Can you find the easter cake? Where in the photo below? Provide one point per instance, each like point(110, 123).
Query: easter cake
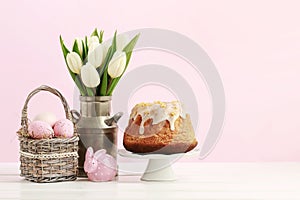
point(159, 127)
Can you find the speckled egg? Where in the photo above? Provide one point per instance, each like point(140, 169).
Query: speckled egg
point(40, 130)
point(63, 128)
point(48, 117)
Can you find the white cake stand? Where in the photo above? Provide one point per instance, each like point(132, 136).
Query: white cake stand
point(159, 166)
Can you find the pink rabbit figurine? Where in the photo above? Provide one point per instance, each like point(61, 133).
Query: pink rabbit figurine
point(99, 166)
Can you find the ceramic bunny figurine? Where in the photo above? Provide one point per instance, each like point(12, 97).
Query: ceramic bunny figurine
point(99, 166)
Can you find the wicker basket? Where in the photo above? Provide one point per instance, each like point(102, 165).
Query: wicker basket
point(47, 160)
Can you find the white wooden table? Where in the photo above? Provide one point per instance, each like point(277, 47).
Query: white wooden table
point(196, 181)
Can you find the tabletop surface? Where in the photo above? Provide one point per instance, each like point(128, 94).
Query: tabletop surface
point(196, 180)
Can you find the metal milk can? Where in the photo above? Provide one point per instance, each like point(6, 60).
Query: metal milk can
point(96, 127)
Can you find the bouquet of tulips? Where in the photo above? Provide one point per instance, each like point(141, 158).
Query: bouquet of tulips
point(96, 66)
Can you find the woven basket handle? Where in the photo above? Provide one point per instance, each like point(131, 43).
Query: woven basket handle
point(24, 121)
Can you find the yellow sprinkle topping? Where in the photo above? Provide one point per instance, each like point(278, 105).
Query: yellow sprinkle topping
point(172, 114)
point(163, 105)
point(142, 104)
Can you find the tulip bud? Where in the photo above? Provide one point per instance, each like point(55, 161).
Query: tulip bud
point(93, 46)
point(90, 76)
point(74, 62)
point(92, 40)
point(95, 57)
point(79, 45)
point(117, 64)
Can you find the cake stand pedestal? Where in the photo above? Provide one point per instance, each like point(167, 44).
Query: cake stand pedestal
point(159, 166)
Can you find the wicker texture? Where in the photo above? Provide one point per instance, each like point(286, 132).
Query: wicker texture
point(47, 160)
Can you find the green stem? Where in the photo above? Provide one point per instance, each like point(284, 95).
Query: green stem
point(109, 84)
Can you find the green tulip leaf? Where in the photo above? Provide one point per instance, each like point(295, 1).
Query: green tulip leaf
point(95, 33)
point(101, 36)
point(79, 82)
point(86, 46)
point(63, 47)
point(84, 51)
point(129, 48)
point(103, 84)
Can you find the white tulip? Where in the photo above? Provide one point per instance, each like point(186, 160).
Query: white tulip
point(90, 76)
point(79, 44)
point(117, 64)
point(92, 40)
point(93, 46)
point(105, 47)
point(95, 57)
point(74, 62)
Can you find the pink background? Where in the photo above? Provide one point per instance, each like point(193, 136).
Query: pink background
point(254, 44)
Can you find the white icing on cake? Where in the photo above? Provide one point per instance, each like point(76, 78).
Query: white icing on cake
point(158, 111)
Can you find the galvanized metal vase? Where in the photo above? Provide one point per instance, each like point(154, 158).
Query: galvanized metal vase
point(96, 127)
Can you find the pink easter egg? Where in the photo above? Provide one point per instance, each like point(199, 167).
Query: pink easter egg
point(40, 130)
point(63, 128)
